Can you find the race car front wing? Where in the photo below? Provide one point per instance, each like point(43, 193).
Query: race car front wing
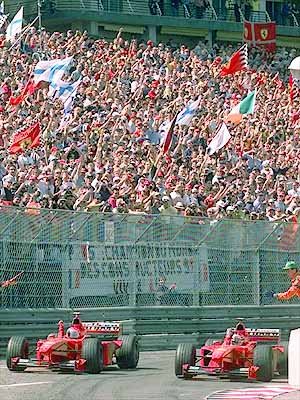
point(72, 365)
point(188, 371)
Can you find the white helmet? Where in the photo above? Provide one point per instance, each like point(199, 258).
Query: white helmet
point(237, 339)
point(73, 333)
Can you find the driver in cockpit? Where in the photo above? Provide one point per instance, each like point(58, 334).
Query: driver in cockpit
point(237, 335)
point(76, 329)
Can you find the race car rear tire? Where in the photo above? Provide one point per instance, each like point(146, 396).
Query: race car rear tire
point(185, 354)
point(92, 353)
point(282, 364)
point(263, 358)
point(128, 354)
point(17, 346)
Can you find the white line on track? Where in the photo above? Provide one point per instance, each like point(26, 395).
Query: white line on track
point(263, 392)
point(24, 384)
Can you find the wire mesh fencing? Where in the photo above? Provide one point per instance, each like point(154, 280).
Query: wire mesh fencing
point(78, 259)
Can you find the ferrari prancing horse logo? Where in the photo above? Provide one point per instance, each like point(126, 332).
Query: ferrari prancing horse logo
point(264, 33)
point(26, 143)
point(246, 32)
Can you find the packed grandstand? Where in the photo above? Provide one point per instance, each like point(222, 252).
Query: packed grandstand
point(105, 136)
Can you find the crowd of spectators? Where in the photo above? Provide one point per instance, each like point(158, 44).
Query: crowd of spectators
point(289, 14)
point(286, 13)
point(108, 158)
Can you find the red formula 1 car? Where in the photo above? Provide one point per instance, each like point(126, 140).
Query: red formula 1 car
point(251, 353)
point(86, 346)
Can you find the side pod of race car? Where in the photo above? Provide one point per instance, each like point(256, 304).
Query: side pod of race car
point(249, 353)
point(85, 346)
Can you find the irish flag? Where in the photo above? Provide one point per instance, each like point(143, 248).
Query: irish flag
point(246, 106)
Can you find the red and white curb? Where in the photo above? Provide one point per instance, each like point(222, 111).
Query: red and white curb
point(261, 393)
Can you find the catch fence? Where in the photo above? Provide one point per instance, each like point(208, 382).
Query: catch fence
point(81, 260)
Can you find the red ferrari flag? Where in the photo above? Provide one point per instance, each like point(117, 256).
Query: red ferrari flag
point(28, 90)
point(27, 138)
point(237, 62)
point(260, 34)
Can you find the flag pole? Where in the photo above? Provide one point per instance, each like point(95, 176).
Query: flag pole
point(205, 158)
point(25, 30)
point(39, 13)
point(39, 5)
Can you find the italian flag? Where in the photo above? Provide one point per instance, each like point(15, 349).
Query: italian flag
point(246, 106)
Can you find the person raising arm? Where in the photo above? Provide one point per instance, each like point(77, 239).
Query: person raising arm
point(294, 275)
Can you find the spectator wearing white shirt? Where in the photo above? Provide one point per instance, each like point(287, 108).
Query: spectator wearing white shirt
point(45, 185)
point(295, 191)
point(194, 197)
point(11, 176)
point(177, 194)
point(96, 183)
point(24, 160)
point(187, 197)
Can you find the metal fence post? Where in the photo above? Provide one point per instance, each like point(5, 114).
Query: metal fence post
point(3, 264)
point(132, 274)
point(197, 269)
point(65, 277)
point(257, 279)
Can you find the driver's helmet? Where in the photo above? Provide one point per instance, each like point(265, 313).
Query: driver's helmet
point(237, 339)
point(240, 327)
point(76, 319)
point(72, 333)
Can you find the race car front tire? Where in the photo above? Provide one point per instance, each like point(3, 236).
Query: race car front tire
point(92, 353)
point(263, 358)
point(185, 354)
point(17, 346)
point(282, 364)
point(128, 354)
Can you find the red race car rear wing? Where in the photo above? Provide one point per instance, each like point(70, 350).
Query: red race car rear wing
point(267, 335)
point(103, 328)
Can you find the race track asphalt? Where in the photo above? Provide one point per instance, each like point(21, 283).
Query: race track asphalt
point(153, 380)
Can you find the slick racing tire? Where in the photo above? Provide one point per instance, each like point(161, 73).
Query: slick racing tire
point(128, 354)
point(92, 353)
point(185, 354)
point(17, 346)
point(263, 358)
point(282, 364)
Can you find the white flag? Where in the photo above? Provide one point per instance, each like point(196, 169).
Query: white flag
point(65, 90)
point(186, 115)
point(220, 140)
point(68, 96)
point(3, 17)
point(61, 89)
point(51, 71)
point(163, 130)
point(15, 27)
